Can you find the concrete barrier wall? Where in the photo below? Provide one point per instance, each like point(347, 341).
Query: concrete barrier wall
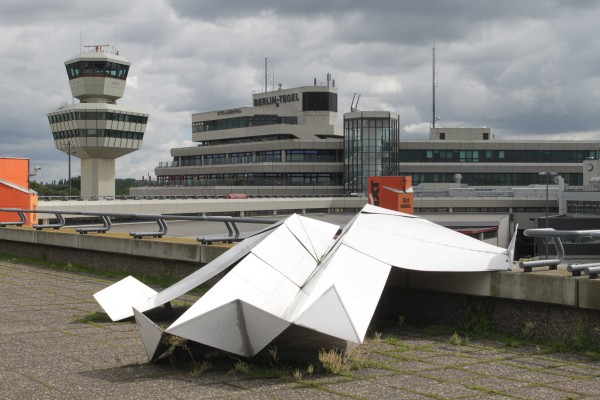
point(147, 255)
point(151, 257)
point(546, 304)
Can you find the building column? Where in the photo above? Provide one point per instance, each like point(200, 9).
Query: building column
point(97, 177)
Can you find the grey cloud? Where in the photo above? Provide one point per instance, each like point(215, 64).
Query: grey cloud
point(521, 67)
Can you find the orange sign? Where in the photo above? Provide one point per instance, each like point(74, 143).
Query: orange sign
point(392, 192)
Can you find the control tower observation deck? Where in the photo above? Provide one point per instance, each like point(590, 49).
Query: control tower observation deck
point(97, 130)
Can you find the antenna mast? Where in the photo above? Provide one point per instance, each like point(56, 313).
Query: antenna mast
point(433, 84)
point(266, 78)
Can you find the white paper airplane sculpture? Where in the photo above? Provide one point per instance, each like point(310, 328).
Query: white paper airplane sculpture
point(294, 282)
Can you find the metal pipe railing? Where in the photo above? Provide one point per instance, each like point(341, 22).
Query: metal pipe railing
point(61, 222)
point(98, 229)
point(560, 251)
point(577, 269)
point(161, 220)
point(553, 263)
point(21, 222)
point(162, 230)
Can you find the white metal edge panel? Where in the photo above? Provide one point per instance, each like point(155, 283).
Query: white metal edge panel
point(261, 326)
point(371, 209)
point(328, 315)
point(203, 274)
point(220, 328)
point(117, 299)
point(151, 334)
point(252, 281)
point(423, 230)
point(359, 281)
point(321, 234)
point(283, 252)
point(315, 235)
point(411, 244)
point(302, 235)
point(234, 327)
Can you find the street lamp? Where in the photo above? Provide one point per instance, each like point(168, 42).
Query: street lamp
point(547, 174)
point(69, 152)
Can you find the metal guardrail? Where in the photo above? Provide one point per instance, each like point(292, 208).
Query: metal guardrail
point(161, 219)
point(23, 220)
point(592, 269)
point(577, 269)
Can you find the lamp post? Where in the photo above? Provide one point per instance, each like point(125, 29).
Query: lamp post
point(547, 174)
point(69, 152)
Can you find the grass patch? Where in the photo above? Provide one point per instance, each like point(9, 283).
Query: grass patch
point(331, 360)
point(93, 317)
point(456, 340)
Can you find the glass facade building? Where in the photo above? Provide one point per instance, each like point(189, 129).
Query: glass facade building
point(370, 143)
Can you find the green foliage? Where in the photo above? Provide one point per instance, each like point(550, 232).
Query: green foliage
point(332, 360)
point(164, 280)
point(122, 186)
point(201, 368)
point(581, 341)
point(455, 339)
point(479, 317)
point(529, 329)
point(92, 318)
point(61, 188)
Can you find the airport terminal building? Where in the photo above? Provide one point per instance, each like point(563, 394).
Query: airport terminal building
point(482, 161)
point(288, 142)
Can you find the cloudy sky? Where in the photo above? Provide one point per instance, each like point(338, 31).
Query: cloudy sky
point(527, 69)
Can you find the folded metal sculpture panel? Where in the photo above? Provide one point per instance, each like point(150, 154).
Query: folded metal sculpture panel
point(119, 299)
point(407, 241)
point(296, 273)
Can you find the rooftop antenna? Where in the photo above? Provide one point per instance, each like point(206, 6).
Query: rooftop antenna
point(434, 85)
point(353, 105)
point(266, 79)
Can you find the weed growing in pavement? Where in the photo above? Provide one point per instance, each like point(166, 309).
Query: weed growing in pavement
point(93, 317)
point(201, 368)
point(529, 329)
point(241, 367)
point(273, 355)
point(297, 375)
point(455, 339)
point(377, 337)
point(331, 360)
point(479, 317)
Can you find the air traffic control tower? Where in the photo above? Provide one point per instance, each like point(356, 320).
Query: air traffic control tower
point(97, 130)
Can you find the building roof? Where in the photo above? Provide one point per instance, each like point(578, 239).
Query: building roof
point(17, 187)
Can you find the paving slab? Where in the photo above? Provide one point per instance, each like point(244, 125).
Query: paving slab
point(49, 353)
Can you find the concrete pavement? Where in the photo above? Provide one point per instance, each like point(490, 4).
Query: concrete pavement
point(47, 354)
